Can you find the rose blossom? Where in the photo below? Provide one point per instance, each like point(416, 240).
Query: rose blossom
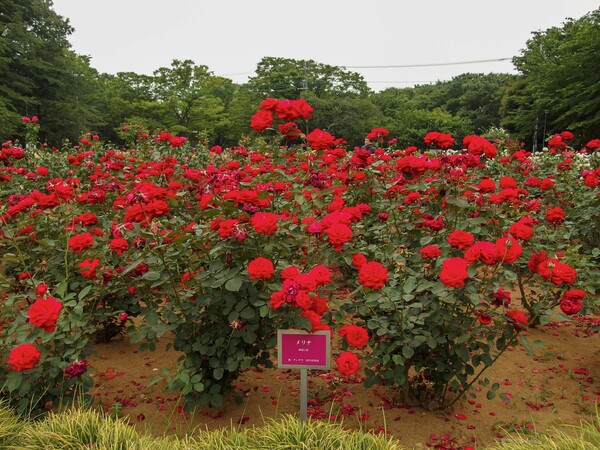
point(43, 313)
point(347, 363)
point(355, 336)
point(260, 269)
point(373, 275)
point(454, 272)
point(23, 357)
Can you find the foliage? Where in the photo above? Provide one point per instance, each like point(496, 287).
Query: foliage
point(289, 78)
point(584, 436)
point(220, 248)
point(80, 428)
point(560, 85)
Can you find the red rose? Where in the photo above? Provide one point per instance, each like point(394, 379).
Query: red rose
point(268, 104)
point(566, 135)
point(80, 242)
point(320, 140)
point(461, 239)
point(88, 268)
point(430, 252)
point(315, 321)
point(277, 299)
point(118, 245)
point(261, 121)
point(264, 223)
point(483, 318)
point(508, 183)
point(509, 249)
point(347, 363)
point(289, 273)
point(43, 313)
point(306, 281)
point(355, 336)
point(555, 215)
point(338, 234)
point(358, 260)
point(260, 269)
point(441, 140)
point(41, 289)
point(571, 306)
point(517, 318)
point(321, 274)
point(574, 294)
point(520, 231)
point(557, 272)
point(290, 130)
point(486, 185)
point(484, 251)
point(23, 357)
point(535, 261)
point(454, 272)
point(373, 275)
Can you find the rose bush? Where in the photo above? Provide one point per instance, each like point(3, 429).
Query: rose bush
point(440, 255)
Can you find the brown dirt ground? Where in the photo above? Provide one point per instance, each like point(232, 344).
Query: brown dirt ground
point(559, 384)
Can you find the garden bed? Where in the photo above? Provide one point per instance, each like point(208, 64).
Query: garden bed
point(559, 384)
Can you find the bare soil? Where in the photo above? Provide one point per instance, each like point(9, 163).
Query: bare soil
point(559, 384)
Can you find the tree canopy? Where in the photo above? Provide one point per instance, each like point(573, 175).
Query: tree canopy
point(558, 89)
point(560, 81)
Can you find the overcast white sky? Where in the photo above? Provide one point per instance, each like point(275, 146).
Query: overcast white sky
point(231, 36)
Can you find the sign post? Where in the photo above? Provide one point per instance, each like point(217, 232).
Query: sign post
point(297, 349)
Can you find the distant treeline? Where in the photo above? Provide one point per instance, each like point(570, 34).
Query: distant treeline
point(558, 88)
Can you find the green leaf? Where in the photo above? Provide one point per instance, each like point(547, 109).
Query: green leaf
point(408, 351)
point(218, 373)
point(426, 240)
point(234, 284)
point(409, 285)
point(248, 313)
point(85, 291)
point(151, 276)
point(62, 288)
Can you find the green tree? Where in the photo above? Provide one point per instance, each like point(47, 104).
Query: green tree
point(194, 97)
point(562, 81)
point(347, 116)
point(32, 60)
point(286, 78)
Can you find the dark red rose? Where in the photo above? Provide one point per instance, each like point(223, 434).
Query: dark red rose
point(571, 306)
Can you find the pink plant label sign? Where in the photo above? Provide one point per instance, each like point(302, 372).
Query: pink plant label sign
point(297, 349)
